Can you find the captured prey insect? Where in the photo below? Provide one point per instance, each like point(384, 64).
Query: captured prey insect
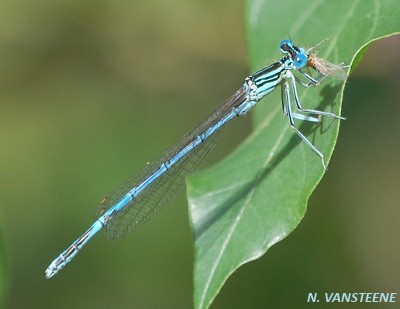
point(137, 199)
point(323, 67)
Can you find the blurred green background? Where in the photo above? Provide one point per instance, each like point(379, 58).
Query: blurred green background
point(90, 92)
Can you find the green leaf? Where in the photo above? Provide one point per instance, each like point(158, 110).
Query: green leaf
point(258, 194)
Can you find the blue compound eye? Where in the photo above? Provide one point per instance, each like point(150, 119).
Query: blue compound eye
point(286, 46)
point(300, 61)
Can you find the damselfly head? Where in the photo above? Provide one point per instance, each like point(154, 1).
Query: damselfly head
point(298, 55)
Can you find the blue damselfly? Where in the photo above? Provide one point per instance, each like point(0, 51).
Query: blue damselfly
point(137, 199)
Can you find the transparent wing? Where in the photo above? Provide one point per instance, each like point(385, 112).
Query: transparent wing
point(161, 190)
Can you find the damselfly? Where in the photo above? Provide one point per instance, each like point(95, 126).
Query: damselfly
point(138, 198)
